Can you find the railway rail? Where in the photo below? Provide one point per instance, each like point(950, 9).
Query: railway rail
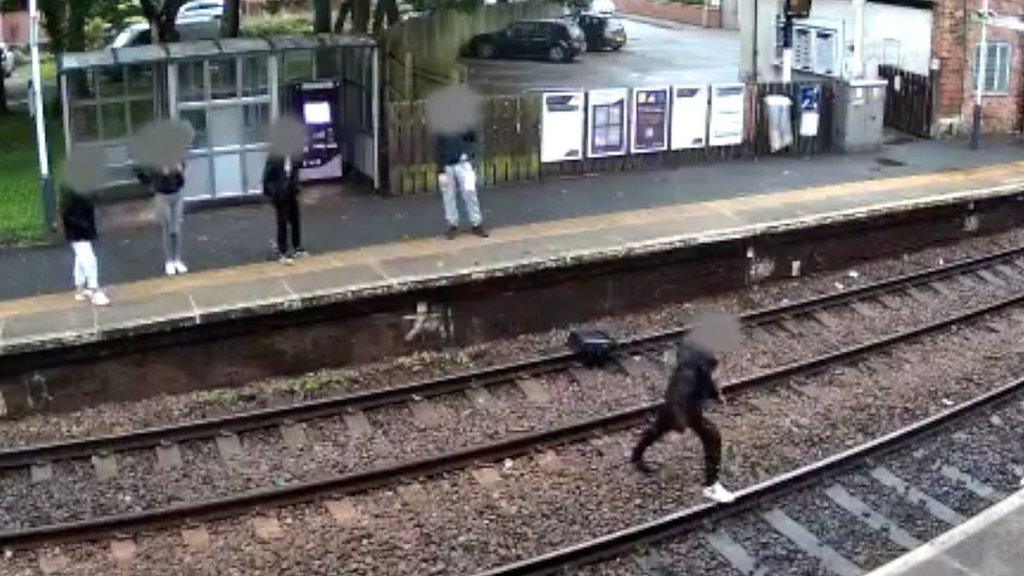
point(765, 501)
point(1004, 267)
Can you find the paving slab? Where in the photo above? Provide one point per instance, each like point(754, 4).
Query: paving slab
point(985, 545)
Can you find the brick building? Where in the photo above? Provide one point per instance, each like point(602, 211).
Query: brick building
point(955, 45)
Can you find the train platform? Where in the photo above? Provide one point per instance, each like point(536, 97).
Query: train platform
point(51, 321)
point(987, 545)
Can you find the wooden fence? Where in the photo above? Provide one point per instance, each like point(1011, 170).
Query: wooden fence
point(908, 101)
point(508, 148)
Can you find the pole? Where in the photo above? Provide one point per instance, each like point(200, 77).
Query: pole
point(858, 68)
point(37, 98)
point(979, 64)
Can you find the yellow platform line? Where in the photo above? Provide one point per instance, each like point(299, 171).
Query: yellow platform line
point(435, 247)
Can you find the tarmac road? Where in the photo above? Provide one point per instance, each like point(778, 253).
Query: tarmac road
point(653, 55)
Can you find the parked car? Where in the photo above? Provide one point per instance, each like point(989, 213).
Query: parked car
point(189, 28)
point(201, 9)
point(603, 7)
point(555, 40)
point(6, 60)
point(602, 32)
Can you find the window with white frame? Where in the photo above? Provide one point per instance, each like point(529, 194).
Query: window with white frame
point(997, 67)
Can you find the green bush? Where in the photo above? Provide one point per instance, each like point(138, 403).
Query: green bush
point(284, 24)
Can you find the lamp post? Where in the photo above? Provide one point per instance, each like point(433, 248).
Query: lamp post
point(980, 67)
point(36, 96)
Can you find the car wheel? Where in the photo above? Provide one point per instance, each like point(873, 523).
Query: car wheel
point(617, 47)
point(485, 51)
point(556, 54)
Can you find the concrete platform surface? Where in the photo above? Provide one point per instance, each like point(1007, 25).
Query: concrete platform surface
point(55, 320)
point(990, 544)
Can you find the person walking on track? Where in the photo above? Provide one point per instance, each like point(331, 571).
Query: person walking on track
point(690, 386)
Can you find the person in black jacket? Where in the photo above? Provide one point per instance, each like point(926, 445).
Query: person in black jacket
point(79, 219)
point(281, 186)
point(167, 183)
point(690, 386)
point(456, 174)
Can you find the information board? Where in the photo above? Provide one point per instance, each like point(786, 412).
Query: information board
point(562, 124)
point(607, 122)
point(689, 116)
point(727, 106)
point(650, 120)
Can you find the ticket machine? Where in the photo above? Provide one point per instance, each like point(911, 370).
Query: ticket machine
point(318, 106)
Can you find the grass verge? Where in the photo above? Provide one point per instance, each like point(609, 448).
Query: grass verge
point(21, 207)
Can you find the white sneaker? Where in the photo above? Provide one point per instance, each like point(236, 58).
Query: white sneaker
point(170, 269)
point(81, 294)
point(718, 493)
point(180, 267)
point(100, 299)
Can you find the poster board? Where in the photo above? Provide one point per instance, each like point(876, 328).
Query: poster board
point(562, 123)
point(689, 116)
point(650, 120)
point(728, 102)
point(607, 122)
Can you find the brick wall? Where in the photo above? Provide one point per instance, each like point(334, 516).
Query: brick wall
point(16, 27)
point(695, 14)
point(955, 36)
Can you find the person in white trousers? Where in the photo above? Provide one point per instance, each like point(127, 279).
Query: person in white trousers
point(79, 221)
point(457, 177)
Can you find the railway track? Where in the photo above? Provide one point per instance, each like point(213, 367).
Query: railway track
point(842, 516)
point(997, 270)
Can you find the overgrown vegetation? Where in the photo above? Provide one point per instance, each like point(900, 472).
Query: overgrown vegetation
point(287, 23)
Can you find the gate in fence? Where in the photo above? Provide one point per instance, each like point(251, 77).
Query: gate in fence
point(908, 101)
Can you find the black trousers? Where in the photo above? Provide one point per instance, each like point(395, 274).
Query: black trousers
point(705, 430)
point(288, 217)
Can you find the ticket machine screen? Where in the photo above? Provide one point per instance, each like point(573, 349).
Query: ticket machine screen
point(317, 113)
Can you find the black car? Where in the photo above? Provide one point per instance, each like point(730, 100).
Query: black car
point(555, 40)
point(602, 32)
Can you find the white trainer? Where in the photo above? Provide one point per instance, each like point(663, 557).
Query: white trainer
point(100, 299)
point(81, 294)
point(170, 269)
point(180, 267)
point(719, 493)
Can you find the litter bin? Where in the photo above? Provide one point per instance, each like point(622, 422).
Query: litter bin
point(858, 115)
point(780, 121)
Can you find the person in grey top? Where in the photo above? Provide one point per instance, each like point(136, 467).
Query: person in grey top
point(167, 183)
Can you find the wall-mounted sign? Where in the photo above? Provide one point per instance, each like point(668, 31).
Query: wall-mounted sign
point(607, 122)
point(689, 116)
point(727, 106)
point(810, 105)
point(562, 122)
point(650, 120)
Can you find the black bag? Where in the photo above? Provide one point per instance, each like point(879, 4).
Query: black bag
point(594, 347)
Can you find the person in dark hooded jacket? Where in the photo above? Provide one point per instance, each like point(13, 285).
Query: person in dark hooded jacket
point(281, 186)
point(78, 216)
point(457, 177)
point(690, 386)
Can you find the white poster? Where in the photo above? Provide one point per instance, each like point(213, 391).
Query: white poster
point(650, 120)
point(727, 106)
point(607, 122)
point(689, 116)
point(562, 122)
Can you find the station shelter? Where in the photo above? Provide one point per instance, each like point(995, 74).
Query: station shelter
point(230, 91)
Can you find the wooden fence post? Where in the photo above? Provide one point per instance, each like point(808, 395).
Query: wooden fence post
point(409, 76)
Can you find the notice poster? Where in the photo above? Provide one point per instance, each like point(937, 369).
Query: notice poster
point(689, 116)
point(810, 104)
point(650, 120)
point(608, 121)
point(727, 105)
point(562, 124)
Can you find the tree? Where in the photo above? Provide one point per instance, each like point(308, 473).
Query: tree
point(360, 12)
point(232, 18)
point(161, 15)
point(321, 16)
